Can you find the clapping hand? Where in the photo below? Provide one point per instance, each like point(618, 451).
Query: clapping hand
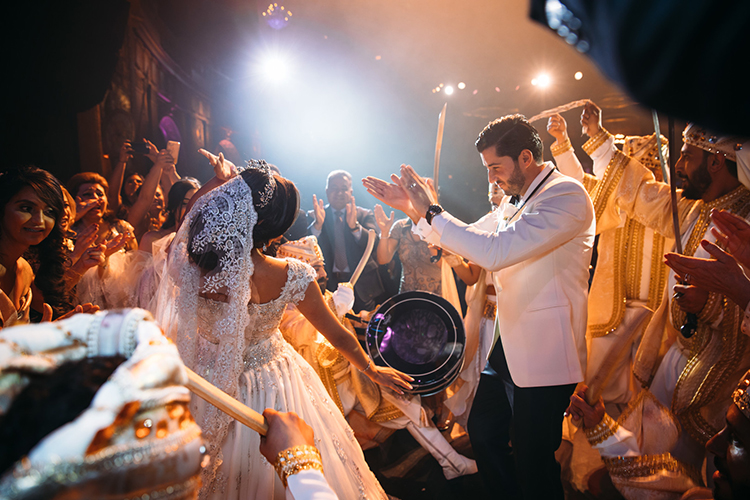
point(384, 223)
point(319, 210)
point(351, 213)
point(733, 232)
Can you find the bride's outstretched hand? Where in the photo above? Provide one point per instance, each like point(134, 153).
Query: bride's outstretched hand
point(223, 168)
point(388, 377)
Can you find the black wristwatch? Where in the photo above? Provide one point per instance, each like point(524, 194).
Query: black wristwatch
point(432, 211)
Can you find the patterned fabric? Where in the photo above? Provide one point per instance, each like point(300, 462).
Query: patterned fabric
point(418, 272)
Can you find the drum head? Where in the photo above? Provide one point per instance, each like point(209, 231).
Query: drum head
point(420, 334)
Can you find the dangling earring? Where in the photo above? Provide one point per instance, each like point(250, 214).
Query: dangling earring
point(265, 247)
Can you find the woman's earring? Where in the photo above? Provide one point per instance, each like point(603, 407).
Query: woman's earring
point(265, 247)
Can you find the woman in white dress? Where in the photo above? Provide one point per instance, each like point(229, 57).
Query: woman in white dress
point(222, 300)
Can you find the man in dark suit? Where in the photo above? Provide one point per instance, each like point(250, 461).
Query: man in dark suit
point(341, 228)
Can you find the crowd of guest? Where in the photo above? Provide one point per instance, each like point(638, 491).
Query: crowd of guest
point(95, 243)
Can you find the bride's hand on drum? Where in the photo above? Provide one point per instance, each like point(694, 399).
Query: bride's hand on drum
point(388, 377)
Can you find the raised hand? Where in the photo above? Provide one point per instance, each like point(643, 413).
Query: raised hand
point(733, 232)
point(558, 128)
point(351, 213)
point(384, 223)
point(163, 160)
point(390, 193)
point(319, 210)
point(87, 308)
point(223, 168)
point(126, 152)
point(153, 151)
point(420, 194)
point(721, 274)
point(117, 243)
point(591, 119)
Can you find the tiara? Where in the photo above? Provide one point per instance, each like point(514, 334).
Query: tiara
point(741, 397)
point(268, 191)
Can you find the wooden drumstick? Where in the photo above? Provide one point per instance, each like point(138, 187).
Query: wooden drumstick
point(226, 403)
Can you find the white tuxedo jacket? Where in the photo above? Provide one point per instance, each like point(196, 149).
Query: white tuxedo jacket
point(540, 257)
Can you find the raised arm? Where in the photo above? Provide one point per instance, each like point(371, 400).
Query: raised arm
point(387, 246)
point(314, 308)
point(146, 194)
point(115, 180)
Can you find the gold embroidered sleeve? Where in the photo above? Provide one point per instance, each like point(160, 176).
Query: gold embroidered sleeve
point(596, 142)
point(605, 429)
point(557, 148)
point(629, 187)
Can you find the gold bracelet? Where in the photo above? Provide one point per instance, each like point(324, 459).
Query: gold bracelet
point(296, 459)
point(558, 148)
point(603, 430)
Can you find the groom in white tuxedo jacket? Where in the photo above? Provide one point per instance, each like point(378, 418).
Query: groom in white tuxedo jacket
point(539, 255)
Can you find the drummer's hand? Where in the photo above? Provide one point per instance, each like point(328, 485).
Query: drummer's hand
point(388, 377)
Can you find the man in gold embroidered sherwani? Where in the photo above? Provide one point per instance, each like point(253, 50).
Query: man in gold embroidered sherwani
point(629, 278)
point(354, 393)
point(689, 377)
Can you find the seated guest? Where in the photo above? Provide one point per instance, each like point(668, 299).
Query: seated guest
point(30, 229)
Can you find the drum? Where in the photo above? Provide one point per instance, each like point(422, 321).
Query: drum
point(420, 334)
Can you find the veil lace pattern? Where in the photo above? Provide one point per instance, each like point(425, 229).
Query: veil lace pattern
point(224, 219)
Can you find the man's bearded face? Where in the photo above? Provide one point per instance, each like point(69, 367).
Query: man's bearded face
point(692, 170)
point(321, 276)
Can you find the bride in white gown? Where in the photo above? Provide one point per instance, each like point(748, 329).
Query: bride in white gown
point(221, 302)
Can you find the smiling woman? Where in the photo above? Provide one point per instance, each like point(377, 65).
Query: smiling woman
point(31, 210)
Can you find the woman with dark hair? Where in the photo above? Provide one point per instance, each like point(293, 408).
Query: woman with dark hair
point(31, 205)
point(154, 245)
point(222, 300)
point(177, 200)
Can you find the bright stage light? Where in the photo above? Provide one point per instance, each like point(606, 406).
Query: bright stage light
point(448, 89)
point(578, 75)
point(461, 85)
point(542, 81)
point(274, 67)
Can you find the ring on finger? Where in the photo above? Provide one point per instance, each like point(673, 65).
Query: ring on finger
point(412, 185)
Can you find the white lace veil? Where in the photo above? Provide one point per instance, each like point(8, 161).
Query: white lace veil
point(210, 333)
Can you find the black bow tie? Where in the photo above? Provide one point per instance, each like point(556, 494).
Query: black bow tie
point(515, 200)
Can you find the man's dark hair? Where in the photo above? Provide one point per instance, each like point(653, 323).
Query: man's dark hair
point(510, 135)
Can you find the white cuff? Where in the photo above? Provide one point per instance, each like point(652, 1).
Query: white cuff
point(309, 484)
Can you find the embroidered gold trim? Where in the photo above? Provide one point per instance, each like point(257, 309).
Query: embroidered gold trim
point(649, 465)
point(659, 272)
point(490, 310)
point(618, 309)
point(609, 182)
point(328, 358)
point(386, 413)
point(635, 236)
point(590, 182)
point(596, 142)
point(557, 148)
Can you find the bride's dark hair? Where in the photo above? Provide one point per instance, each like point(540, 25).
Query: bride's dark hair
point(280, 212)
point(275, 217)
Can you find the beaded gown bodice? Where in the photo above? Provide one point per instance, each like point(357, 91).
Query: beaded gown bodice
point(267, 316)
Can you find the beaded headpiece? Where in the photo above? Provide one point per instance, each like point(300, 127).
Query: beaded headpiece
point(268, 191)
point(697, 136)
point(305, 249)
point(643, 149)
point(741, 397)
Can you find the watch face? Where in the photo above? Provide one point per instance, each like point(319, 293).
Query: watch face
point(420, 334)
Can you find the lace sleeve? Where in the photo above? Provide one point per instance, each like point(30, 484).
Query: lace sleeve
point(299, 277)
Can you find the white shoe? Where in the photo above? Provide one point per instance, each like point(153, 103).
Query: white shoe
point(453, 463)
